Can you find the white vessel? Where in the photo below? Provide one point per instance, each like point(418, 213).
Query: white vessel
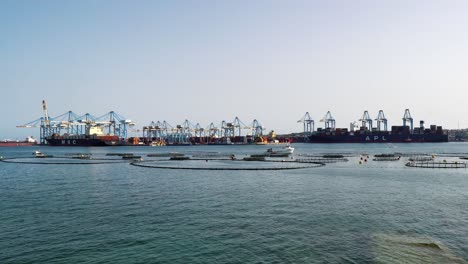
point(281, 152)
point(38, 154)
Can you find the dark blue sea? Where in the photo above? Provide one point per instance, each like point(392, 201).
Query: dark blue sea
point(343, 212)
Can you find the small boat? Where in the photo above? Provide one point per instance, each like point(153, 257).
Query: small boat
point(39, 154)
point(282, 152)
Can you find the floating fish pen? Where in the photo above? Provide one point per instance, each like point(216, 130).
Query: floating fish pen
point(421, 158)
point(179, 158)
point(322, 160)
point(452, 154)
point(386, 158)
point(130, 157)
point(256, 158)
point(333, 156)
point(73, 154)
point(81, 156)
point(119, 154)
point(328, 155)
point(170, 154)
point(194, 153)
point(437, 165)
point(211, 155)
point(412, 154)
point(385, 155)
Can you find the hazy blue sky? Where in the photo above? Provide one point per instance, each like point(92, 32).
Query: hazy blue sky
point(214, 60)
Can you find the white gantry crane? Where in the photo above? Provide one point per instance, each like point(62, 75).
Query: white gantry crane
point(381, 120)
point(329, 121)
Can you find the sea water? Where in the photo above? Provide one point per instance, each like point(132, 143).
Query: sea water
point(344, 212)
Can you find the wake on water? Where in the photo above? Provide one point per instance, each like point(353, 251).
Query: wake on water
point(411, 248)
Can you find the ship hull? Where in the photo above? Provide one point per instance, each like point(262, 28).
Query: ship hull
point(378, 138)
point(91, 142)
point(17, 144)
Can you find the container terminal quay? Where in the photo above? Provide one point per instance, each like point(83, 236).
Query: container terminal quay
point(111, 129)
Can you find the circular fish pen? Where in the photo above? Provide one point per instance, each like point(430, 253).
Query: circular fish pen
point(208, 154)
point(119, 154)
point(386, 157)
point(231, 165)
point(169, 154)
point(322, 160)
point(421, 158)
point(437, 165)
point(410, 154)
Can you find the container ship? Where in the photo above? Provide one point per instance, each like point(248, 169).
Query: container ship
point(29, 141)
point(94, 136)
point(84, 140)
point(369, 134)
point(399, 134)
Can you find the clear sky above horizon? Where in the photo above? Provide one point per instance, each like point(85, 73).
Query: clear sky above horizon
point(209, 61)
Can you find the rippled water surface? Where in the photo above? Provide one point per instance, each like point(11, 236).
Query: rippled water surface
point(345, 212)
